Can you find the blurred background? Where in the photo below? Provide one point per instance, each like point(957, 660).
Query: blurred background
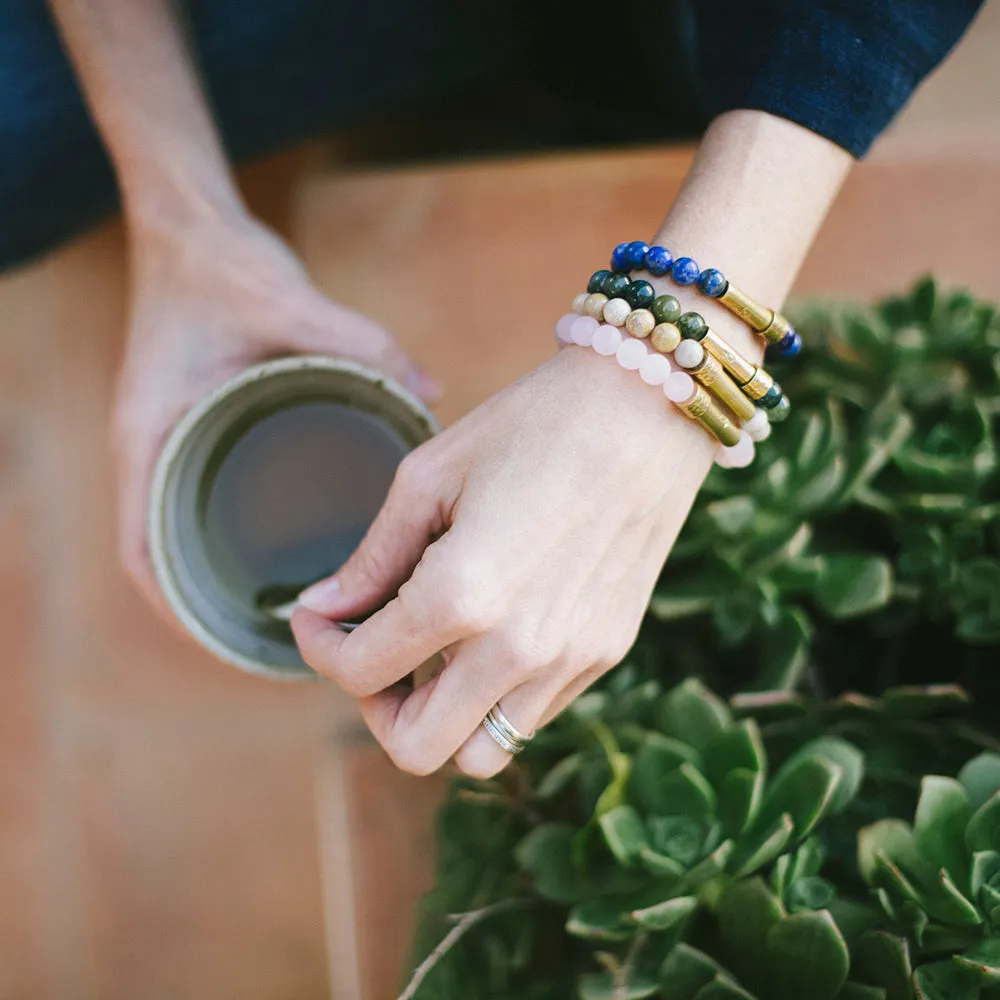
point(172, 828)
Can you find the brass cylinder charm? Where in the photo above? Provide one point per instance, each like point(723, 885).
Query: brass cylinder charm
point(711, 375)
point(705, 411)
point(734, 362)
point(752, 313)
point(759, 386)
point(778, 329)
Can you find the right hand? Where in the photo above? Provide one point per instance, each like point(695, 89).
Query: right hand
point(208, 298)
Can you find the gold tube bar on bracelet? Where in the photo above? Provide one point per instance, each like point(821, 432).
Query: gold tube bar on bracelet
point(712, 376)
point(703, 409)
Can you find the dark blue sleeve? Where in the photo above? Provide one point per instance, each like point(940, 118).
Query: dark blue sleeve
point(842, 68)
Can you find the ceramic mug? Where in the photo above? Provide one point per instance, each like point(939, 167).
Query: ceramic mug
point(267, 485)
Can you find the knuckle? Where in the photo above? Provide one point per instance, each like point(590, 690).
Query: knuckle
point(415, 475)
point(527, 651)
point(465, 602)
point(411, 759)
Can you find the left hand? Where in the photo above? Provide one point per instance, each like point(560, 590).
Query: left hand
point(523, 544)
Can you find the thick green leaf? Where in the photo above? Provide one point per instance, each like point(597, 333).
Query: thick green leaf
point(847, 757)
point(685, 971)
point(678, 837)
point(923, 299)
point(909, 701)
point(786, 645)
point(659, 864)
point(854, 585)
point(559, 777)
point(740, 798)
point(807, 957)
point(739, 746)
point(601, 986)
point(657, 757)
point(685, 792)
point(706, 870)
point(692, 714)
point(985, 871)
point(939, 826)
point(745, 912)
point(722, 988)
point(984, 960)
point(804, 789)
point(763, 846)
point(981, 778)
point(810, 893)
point(666, 916)
point(883, 959)
point(891, 837)
point(547, 855)
point(600, 920)
point(945, 981)
point(983, 831)
point(624, 833)
point(732, 516)
point(858, 991)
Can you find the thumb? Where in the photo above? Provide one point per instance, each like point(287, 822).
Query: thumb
point(410, 519)
point(345, 333)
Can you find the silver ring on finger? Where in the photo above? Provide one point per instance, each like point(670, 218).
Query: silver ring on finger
point(504, 733)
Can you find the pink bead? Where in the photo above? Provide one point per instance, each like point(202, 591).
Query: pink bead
point(563, 334)
point(739, 456)
point(679, 387)
point(631, 353)
point(607, 340)
point(582, 330)
point(655, 369)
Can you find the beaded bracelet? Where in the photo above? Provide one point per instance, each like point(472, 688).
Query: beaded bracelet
point(654, 368)
point(659, 261)
point(644, 314)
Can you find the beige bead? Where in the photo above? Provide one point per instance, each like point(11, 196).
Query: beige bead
point(640, 323)
point(665, 337)
point(616, 312)
point(578, 302)
point(594, 305)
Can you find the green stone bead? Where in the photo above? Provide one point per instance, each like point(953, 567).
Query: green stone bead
point(780, 412)
point(692, 326)
point(640, 295)
point(597, 279)
point(615, 285)
point(666, 309)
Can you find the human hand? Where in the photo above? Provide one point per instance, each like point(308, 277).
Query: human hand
point(208, 299)
point(524, 543)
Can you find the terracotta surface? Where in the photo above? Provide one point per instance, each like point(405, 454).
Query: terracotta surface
point(158, 829)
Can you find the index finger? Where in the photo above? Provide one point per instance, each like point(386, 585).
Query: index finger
point(383, 649)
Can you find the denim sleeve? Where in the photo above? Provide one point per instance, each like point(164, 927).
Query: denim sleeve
point(842, 68)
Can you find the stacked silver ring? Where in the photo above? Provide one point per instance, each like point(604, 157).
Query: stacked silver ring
point(503, 732)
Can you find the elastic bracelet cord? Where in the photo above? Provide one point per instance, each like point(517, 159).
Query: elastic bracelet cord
point(660, 262)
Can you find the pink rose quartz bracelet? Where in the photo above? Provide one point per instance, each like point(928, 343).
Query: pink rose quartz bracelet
point(656, 369)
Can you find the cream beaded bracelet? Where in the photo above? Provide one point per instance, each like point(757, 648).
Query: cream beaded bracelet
point(736, 441)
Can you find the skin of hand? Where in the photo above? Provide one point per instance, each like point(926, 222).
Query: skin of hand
point(524, 542)
point(209, 299)
point(212, 290)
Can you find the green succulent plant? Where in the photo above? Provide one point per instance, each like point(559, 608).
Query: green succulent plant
point(862, 548)
point(844, 596)
point(938, 880)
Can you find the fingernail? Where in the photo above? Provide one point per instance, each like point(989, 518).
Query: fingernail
point(424, 386)
point(319, 596)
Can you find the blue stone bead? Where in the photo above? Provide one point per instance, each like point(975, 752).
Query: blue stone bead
point(790, 345)
point(658, 261)
point(635, 254)
point(619, 261)
point(771, 398)
point(685, 271)
point(712, 282)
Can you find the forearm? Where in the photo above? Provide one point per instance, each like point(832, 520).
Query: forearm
point(144, 94)
point(751, 205)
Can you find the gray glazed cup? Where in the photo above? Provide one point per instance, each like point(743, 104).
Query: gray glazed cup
point(266, 485)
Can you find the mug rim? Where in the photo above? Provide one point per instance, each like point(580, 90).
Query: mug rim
point(156, 533)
